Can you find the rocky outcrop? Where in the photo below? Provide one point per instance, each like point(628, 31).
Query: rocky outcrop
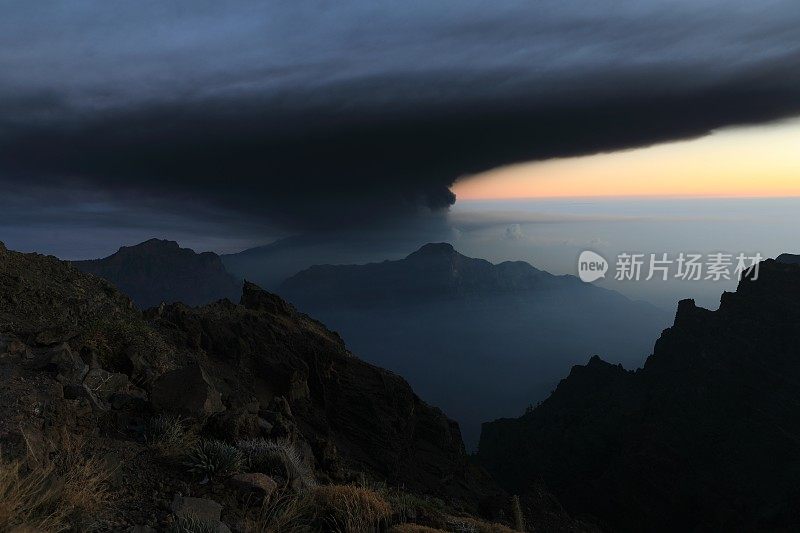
point(186, 391)
point(270, 362)
point(157, 271)
point(704, 437)
point(253, 484)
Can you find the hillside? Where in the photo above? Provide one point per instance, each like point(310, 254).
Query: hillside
point(111, 418)
point(704, 437)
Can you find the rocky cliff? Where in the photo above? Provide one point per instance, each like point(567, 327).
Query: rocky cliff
point(157, 271)
point(704, 437)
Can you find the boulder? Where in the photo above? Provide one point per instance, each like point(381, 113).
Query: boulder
point(257, 299)
point(104, 384)
point(201, 508)
point(234, 424)
point(186, 391)
point(59, 359)
point(254, 483)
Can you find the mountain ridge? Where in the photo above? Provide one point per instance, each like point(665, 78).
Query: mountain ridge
point(159, 270)
point(443, 270)
point(680, 444)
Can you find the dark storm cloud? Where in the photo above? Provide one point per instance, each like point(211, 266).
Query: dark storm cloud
point(311, 115)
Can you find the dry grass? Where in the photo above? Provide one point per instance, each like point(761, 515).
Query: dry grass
point(68, 491)
point(414, 528)
point(408, 507)
point(286, 513)
point(189, 523)
point(351, 509)
point(473, 525)
point(359, 509)
point(167, 436)
point(279, 457)
point(516, 512)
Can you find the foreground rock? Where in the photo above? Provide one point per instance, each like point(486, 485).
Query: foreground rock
point(703, 438)
point(186, 391)
point(254, 483)
point(299, 378)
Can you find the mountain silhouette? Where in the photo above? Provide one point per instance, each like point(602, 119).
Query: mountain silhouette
point(706, 437)
point(157, 271)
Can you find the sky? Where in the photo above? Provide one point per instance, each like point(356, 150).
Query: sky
point(756, 161)
point(231, 124)
point(551, 233)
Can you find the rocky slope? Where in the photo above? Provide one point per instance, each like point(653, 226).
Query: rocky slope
point(157, 271)
point(704, 437)
point(440, 319)
point(77, 358)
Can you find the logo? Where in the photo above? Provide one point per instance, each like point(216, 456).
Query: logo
point(591, 266)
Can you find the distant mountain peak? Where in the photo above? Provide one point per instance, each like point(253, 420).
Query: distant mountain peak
point(159, 270)
point(155, 243)
point(154, 246)
point(434, 249)
point(434, 270)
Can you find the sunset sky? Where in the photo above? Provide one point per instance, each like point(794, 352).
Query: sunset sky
point(762, 161)
point(233, 123)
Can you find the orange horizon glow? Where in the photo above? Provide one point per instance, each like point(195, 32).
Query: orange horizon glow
point(762, 161)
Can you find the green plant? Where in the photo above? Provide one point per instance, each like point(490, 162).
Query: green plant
point(213, 459)
point(279, 457)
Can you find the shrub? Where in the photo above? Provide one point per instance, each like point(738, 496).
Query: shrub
point(66, 491)
point(213, 459)
point(167, 434)
point(112, 337)
point(348, 508)
point(279, 457)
